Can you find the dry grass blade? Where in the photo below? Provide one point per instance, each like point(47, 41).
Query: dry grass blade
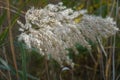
point(4, 52)
point(2, 74)
point(11, 39)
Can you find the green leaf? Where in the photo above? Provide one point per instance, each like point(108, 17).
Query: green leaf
point(80, 48)
point(13, 72)
point(23, 55)
point(5, 64)
point(3, 35)
point(2, 17)
point(103, 12)
point(96, 1)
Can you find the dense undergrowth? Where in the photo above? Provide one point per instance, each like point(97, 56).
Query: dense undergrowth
point(19, 63)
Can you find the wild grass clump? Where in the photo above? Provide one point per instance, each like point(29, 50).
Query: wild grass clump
point(55, 28)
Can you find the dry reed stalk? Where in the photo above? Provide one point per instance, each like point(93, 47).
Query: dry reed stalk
point(101, 63)
point(96, 66)
point(11, 39)
point(107, 66)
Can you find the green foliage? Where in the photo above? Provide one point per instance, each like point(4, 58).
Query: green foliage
point(81, 49)
point(102, 10)
point(4, 64)
point(71, 3)
point(23, 55)
point(2, 17)
point(96, 1)
point(3, 35)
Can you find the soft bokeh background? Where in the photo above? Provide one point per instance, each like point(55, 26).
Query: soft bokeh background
point(18, 63)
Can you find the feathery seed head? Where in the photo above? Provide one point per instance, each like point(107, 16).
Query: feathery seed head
point(52, 29)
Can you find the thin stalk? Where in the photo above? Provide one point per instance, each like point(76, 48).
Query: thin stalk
point(108, 8)
point(60, 75)
point(11, 40)
point(23, 55)
point(88, 3)
point(13, 11)
point(113, 57)
point(72, 73)
point(101, 46)
point(4, 52)
point(95, 66)
point(101, 64)
point(4, 75)
point(47, 70)
point(12, 8)
point(113, 5)
point(100, 8)
point(118, 77)
point(93, 58)
point(114, 41)
point(107, 69)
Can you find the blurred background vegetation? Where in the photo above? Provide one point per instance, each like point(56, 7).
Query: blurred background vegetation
point(18, 63)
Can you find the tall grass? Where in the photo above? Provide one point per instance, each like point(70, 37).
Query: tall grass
point(15, 64)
